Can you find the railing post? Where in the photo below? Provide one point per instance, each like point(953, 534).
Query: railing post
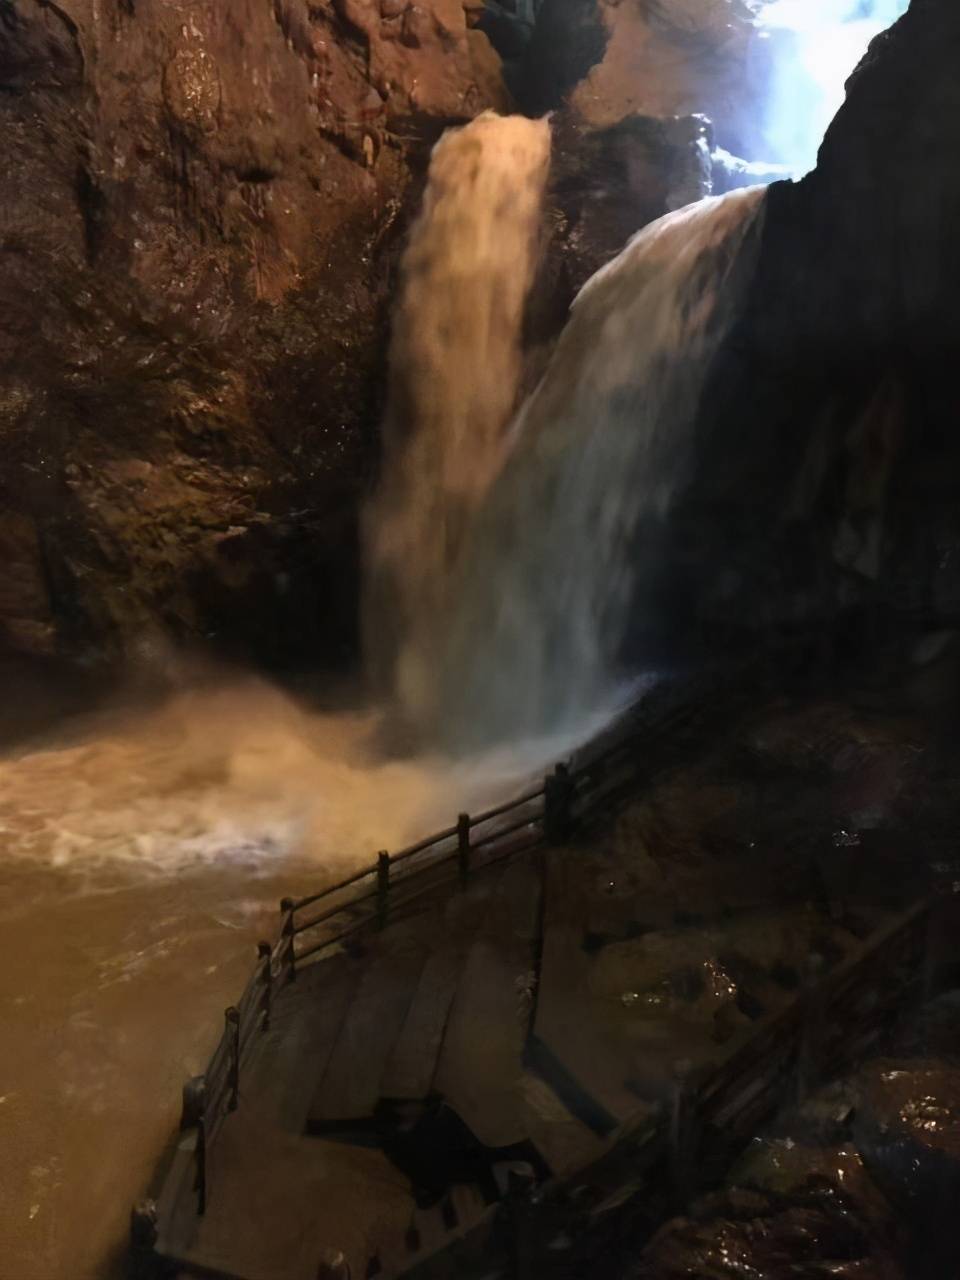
point(383, 887)
point(681, 1133)
point(558, 790)
point(143, 1232)
point(463, 848)
point(193, 1116)
point(232, 1019)
point(265, 953)
point(201, 1185)
point(286, 933)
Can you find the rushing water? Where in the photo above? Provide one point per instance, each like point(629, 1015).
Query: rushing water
point(519, 632)
point(143, 859)
point(455, 362)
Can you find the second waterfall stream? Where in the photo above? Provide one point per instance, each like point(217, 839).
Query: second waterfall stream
point(503, 542)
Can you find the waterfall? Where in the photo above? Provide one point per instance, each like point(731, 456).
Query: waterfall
point(515, 555)
point(455, 367)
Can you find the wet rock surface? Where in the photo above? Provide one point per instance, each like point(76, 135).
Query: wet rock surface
point(202, 205)
point(606, 184)
point(823, 429)
point(908, 1131)
point(613, 59)
point(202, 216)
point(859, 1181)
point(824, 492)
point(813, 823)
point(813, 1234)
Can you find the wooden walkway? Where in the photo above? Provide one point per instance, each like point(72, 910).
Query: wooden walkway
point(437, 1005)
point(485, 1000)
point(455, 1091)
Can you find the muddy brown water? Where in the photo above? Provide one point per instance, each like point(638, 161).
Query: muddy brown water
point(140, 862)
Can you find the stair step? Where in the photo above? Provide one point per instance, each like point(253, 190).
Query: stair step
point(412, 1065)
point(410, 1069)
point(481, 1059)
point(305, 1024)
point(350, 1086)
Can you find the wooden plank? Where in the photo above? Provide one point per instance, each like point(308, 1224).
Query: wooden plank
point(412, 1064)
point(481, 1061)
point(279, 1077)
point(349, 1088)
point(411, 1068)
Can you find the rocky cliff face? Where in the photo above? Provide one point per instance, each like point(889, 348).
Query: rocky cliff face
point(201, 207)
point(829, 453)
point(828, 468)
point(613, 59)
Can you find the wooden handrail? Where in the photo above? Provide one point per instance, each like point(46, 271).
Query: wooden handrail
point(334, 911)
point(724, 1106)
point(746, 1085)
point(584, 763)
point(422, 845)
point(531, 820)
point(334, 888)
point(282, 959)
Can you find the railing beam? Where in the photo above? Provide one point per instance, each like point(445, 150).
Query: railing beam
point(265, 956)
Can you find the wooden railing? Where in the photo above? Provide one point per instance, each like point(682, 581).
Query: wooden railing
point(652, 1169)
point(209, 1098)
point(394, 883)
point(588, 786)
point(592, 783)
point(713, 1112)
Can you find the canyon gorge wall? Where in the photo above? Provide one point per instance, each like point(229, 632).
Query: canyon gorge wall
point(201, 209)
point(829, 464)
point(829, 455)
point(203, 205)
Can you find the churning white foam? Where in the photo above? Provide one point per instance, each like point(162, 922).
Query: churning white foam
point(241, 775)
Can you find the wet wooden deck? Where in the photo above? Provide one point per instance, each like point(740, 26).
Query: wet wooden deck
point(490, 996)
point(444, 1003)
point(484, 998)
